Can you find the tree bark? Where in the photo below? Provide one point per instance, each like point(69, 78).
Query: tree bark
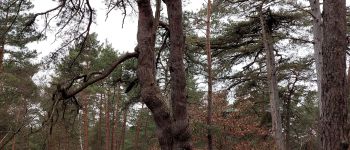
point(333, 121)
point(318, 39)
point(181, 131)
point(150, 92)
point(210, 82)
point(272, 82)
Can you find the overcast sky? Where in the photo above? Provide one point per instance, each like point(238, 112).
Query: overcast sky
point(123, 39)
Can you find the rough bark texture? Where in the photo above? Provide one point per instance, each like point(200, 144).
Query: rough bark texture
point(317, 38)
point(150, 93)
point(181, 131)
point(333, 119)
point(272, 82)
point(210, 82)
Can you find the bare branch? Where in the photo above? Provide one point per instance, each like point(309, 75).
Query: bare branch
point(102, 75)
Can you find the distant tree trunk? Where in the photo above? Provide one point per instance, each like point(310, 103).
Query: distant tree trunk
point(107, 138)
point(333, 121)
point(122, 139)
point(99, 130)
point(2, 51)
point(318, 39)
point(272, 82)
point(14, 143)
point(138, 128)
point(85, 121)
point(15, 136)
point(146, 131)
point(288, 114)
point(210, 82)
point(66, 139)
point(116, 118)
point(181, 131)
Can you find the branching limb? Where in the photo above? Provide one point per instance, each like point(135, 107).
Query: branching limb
point(95, 77)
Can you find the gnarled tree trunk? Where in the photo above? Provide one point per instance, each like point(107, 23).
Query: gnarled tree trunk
point(150, 92)
point(172, 133)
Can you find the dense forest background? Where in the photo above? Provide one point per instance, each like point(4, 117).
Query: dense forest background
point(236, 74)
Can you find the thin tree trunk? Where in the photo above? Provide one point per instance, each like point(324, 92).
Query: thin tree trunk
point(99, 130)
point(67, 139)
point(122, 139)
point(138, 128)
point(146, 131)
point(272, 83)
point(289, 113)
point(107, 138)
point(116, 118)
point(14, 137)
point(318, 38)
point(150, 92)
point(2, 51)
point(80, 133)
point(210, 82)
point(334, 108)
point(85, 121)
point(14, 143)
point(180, 127)
point(287, 129)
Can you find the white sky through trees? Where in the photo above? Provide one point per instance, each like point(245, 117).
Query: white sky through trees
point(122, 39)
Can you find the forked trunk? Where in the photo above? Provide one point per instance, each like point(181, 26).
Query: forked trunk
point(150, 92)
point(172, 133)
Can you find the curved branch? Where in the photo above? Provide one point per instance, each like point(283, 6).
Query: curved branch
point(101, 75)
